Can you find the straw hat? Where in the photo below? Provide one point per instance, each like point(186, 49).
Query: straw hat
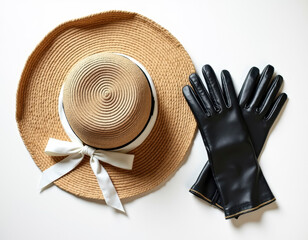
point(113, 82)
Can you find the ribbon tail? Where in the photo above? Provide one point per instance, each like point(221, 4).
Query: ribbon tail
point(109, 192)
point(60, 169)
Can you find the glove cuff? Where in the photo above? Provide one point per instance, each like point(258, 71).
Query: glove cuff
point(235, 212)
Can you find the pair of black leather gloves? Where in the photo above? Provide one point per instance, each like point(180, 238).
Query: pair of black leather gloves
point(234, 130)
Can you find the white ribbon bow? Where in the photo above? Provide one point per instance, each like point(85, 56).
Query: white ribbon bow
point(76, 151)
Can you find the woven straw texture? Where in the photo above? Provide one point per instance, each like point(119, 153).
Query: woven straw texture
point(107, 100)
point(134, 35)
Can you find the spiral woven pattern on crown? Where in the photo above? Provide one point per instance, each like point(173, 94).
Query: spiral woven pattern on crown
point(107, 100)
point(134, 35)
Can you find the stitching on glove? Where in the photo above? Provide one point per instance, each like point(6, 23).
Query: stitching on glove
point(251, 209)
point(205, 198)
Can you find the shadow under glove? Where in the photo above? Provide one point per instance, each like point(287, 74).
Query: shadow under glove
point(260, 108)
point(237, 174)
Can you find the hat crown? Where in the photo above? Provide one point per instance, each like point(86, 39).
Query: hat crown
point(107, 100)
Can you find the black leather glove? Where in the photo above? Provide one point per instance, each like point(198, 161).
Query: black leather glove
point(259, 109)
point(237, 174)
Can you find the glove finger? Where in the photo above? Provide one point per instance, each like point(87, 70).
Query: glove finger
point(213, 87)
point(201, 93)
point(271, 94)
point(228, 88)
point(248, 87)
point(194, 104)
point(276, 109)
point(265, 78)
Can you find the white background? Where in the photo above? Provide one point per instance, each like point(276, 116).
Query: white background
point(226, 34)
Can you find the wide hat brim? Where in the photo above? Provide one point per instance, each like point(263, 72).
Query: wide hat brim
point(131, 34)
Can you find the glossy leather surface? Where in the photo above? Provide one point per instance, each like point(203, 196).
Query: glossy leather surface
point(233, 161)
point(259, 117)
